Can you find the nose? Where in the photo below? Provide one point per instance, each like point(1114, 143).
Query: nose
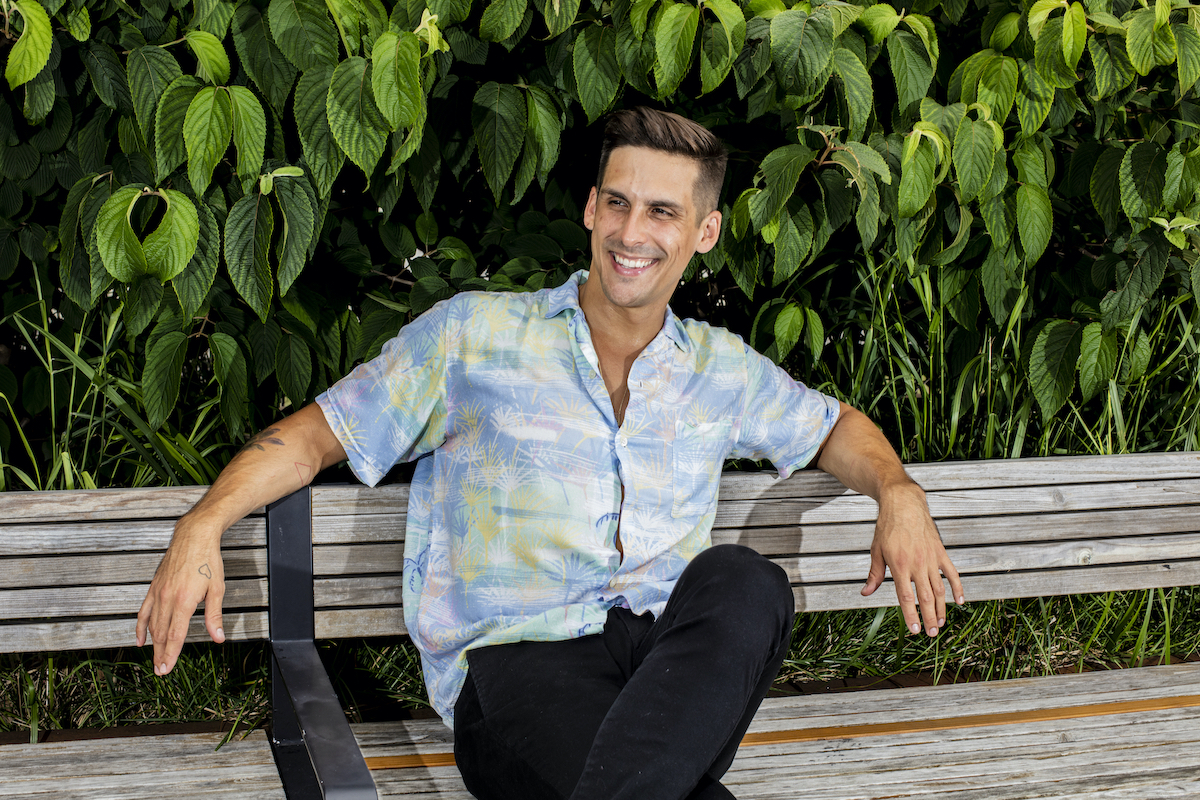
point(633, 230)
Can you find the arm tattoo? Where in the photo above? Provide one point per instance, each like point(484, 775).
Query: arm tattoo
point(205, 570)
point(268, 437)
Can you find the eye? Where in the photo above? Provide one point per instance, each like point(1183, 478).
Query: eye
point(662, 212)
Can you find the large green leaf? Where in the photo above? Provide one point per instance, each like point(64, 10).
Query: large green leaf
point(1052, 364)
point(213, 60)
point(358, 127)
point(674, 36)
point(1138, 277)
point(1143, 174)
point(248, 230)
point(249, 134)
point(1113, 70)
point(1105, 185)
point(545, 126)
point(299, 219)
point(162, 375)
point(880, 20)
point(974, 151)
point(396, 78)
point(150, 71)
point(321, 151)
point(801, 46)
point(32, 51)
point(229, 364)
point(1187, 47)
point(192, 285)
point(1074, 34)
point(293, 367)
point(717, 54)
point(168, 123)
point(911, 68)
point(781, 171)
point(501, 19)
point(998, 86)
point(559, 15)
point(1000, 282)
point(916, 177)
point(207, 129)
point(1035, 98)
point(1097, 359)
point(856, 83)
point(597, 73)
point(1035, 220)
point(119, 247)
point(1048, 56)
point(789, 324)
point(498, 116)
point(170, 246)
point(262, 59)
point(303, 31)
point(107, 74)
point(1147, 45)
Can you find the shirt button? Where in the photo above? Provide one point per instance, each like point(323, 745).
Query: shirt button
point(623, 440)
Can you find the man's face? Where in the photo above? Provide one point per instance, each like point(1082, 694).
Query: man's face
point(644, 226)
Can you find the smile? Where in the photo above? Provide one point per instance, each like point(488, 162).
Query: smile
point(632, 264)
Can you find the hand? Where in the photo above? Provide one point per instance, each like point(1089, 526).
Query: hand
point(907, 542)
point(190, 571)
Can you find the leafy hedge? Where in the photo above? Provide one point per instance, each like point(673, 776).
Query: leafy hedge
point(946, 211)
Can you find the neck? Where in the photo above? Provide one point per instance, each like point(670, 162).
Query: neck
point(624, 331)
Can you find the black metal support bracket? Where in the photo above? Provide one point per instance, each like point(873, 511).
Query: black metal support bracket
point(315, 750)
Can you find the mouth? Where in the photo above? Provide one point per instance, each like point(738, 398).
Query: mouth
point(627, 266)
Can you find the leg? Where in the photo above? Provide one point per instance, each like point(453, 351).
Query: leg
point(700, 674)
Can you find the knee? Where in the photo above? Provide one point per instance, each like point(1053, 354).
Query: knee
point(749, 577)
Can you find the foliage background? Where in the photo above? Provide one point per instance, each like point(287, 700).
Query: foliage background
point(974, 221)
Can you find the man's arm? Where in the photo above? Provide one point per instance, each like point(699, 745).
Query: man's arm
point(274, 463)
point(906, 539)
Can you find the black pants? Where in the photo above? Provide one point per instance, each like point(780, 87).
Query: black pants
point(649, 709)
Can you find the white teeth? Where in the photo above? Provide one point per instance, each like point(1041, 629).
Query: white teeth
point(632, 263)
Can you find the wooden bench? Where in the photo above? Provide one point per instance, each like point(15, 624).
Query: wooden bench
point(74, 567)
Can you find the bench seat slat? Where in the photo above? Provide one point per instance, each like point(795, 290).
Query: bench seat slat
point(99, 504)
point(80, 601)
point(113, 537)
point(358, 559)
point(86, 634)
point(113, 568)
point(347, 529)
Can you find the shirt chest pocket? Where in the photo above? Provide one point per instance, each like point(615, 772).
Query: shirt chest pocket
point(699, 452)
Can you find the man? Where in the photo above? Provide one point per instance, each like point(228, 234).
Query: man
point(576, 629)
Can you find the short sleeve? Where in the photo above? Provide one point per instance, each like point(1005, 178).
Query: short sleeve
point(782, 421)
point(393, 408)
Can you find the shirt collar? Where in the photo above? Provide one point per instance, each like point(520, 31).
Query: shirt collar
point(566, 297)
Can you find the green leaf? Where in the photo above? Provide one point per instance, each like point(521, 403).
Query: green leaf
point(998, 86)
point(32, 51)
point(1147, 45)
point(781, 171)
point(597, 73)
point(1035, 220)
point(79, 24)
point(120, 249)
point(1097, 359)
point(1000, 282)
point(1162, 12)
point(1030, 162)
point(168, 123)
point(1187, 48)
point(1112, 68)
point(214, 61)
point(171, 245)
point(1136, 282)
point(879, 20)
point(162, 375)
point(674, 36)
point(107, 74)
point(916, 177)
point(1173, 182)
point(545, 126)
point(1005, 32)
point(396, 78)
point(1035, 98)
point(717, 54)
point(789, 323)
point(1105, 185)
point(814, 332)
point(303, 31)
point(293, 367)
point(1048, 56)
point(192, 285)
point(729, 14)
point(1142, 176)
point(212, 16)
point(150, 71)
point(230, 367)
point(559, 15)
point(262, 59)
point(142, 299)
point(321, 150)
point(427, 291)
point(299, 221)
point(856, 83)
point(1074, 34)
point(1039, 13)
point(1052, 364)
point(801, 46)
point(248, 230)
point(974, 151)
point(911, 67)
point(358, 127)
point(501, 19)
point(207, 129)
point(249, 133)
point(498, 117)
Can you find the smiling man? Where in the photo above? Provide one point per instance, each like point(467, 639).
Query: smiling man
point(577, 629)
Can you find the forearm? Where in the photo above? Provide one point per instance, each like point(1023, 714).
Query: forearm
point(274, 463)
point(858, 454)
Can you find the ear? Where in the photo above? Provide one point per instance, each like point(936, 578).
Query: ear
point(710, 231)
point(589, 211)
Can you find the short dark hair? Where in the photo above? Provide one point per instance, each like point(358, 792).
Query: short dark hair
point(671, 133)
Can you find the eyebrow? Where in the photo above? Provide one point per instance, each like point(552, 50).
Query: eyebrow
point(671, 204)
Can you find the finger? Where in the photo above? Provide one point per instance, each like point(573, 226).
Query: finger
point(939, 598)
point(875, 574)
point(212, 613)
point(955, 582)
point(176, 634)
point(908, 602)
point(925, 596)
point(143, 620)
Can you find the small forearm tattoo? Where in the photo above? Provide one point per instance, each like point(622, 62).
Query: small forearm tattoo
point(267, 436)
point(205, 571)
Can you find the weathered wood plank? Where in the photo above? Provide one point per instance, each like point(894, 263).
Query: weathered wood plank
point(28, 637)
point(359, 529)
point(329, 500)
point(357, 559)
point(108, 601)
point(1007, 586)
point(62, 538)
point(99, 504)
point(964, 503)
point(361, 590)
point(340, 623)
point(112, 568)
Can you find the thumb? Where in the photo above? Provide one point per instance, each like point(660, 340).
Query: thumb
point(876, 573)
point(212, 615)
